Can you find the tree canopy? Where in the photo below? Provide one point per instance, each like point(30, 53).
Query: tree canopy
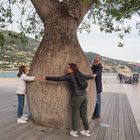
point(110, 15)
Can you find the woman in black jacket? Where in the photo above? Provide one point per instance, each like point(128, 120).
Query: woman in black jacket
point(78, 97)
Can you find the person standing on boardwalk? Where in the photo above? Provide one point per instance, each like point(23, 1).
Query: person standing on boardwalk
point(78, 83)
point(120, 77)
point(97, 72)
point(21, 87)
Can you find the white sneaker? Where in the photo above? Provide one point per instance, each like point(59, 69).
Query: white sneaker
point(73, 133)
point(25, 115)
point(85, 133)
point(19, 120)
point(24, 118)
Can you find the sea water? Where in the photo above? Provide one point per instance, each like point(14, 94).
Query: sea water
point(8, 74)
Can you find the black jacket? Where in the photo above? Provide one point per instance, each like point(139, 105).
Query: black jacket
point(97, 69)
point(70, 78)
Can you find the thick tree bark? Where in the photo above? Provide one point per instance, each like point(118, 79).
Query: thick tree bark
point(49, 102)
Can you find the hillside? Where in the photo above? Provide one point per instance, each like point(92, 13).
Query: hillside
point(110, 65)
point(16, 51)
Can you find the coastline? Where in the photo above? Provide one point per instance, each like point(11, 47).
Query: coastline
point(8, 74)
point(1, 71)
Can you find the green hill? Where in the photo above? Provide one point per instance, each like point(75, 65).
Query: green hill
point(16, 49)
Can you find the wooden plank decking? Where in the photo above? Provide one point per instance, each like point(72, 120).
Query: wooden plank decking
point(116, 111)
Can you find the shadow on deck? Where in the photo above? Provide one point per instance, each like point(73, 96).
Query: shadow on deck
point(116, 112)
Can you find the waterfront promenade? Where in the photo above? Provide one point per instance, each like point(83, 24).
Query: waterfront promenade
point(120, 117)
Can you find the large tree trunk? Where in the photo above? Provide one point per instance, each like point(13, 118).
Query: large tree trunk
point(49, 102)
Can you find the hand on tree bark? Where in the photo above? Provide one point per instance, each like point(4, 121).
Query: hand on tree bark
point(39, 78)
point(94, 75)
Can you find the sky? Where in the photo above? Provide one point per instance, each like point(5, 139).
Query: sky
point(107, 44)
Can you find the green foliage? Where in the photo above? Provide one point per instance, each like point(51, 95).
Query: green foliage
point(87, 1)
point(28, 21)
point(2, 40)
point(21, 36)
point(111, 16)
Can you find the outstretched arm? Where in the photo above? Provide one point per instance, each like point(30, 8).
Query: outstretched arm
point(88, 77)
point(60, 78)
point(27, 78)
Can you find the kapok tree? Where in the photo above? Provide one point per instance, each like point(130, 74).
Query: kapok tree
point(49, 101)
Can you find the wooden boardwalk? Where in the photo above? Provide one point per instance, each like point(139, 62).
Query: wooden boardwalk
point(116, 112)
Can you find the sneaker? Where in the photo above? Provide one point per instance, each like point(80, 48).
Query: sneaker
point(25, 115)
point(73, 133)
point(24, 118)
point(85, 133)
point(19, 120)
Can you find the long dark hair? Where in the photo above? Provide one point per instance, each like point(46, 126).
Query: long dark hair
point(74, 67)
point(21, 70)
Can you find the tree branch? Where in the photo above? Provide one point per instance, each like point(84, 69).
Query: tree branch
point(78, 8)
point(86, 7)
point(43, 7)
point(74, 9)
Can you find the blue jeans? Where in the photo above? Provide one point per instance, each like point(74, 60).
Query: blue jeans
point(97, 110)
point(21, 98)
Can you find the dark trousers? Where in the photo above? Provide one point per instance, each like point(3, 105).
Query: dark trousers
point(79, 105)
point(21, 98)
point(97, 110)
